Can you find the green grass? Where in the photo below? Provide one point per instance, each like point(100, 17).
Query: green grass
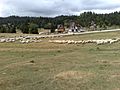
point(61, 66)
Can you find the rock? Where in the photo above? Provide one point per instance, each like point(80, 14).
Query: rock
point(32, 61)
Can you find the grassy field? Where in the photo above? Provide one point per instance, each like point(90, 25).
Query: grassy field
point(48, 66)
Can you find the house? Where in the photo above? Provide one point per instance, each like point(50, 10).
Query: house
point(60, 28)
point(75, 27)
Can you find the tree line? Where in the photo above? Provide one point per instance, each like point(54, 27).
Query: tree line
point(31, 24)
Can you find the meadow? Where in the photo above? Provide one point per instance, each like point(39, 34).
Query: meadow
point(49, 66)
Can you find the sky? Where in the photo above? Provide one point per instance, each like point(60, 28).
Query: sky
point(52, 8)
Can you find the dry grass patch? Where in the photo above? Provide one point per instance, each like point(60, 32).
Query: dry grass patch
point(115, 76)
point(116, 62)
point(6, 49)
point(73, 75)
point(18, 64)
point(102, 61)
point(116, 89)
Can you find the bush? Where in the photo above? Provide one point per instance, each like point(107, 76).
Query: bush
point(24, 28)
point(33, 28)
point(2, 29)
point(7, 29)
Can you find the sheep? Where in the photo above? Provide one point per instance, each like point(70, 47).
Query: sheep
point(79, 42)
point(118, 39)
point(2, 40)
point(36, 41)
point(22, 42)
point(11, 40)
point(70, 41)
point(27, 41)
point(98, 42)
point(113, 41)
point(60, 42)
point(55, 41)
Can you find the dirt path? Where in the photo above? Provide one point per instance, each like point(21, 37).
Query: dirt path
point(81, 33)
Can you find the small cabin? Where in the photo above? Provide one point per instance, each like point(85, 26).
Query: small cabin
point(60, 28)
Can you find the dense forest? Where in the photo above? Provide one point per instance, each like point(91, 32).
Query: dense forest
point(31, 24)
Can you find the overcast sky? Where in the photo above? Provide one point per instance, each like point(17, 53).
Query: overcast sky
point(56, 7)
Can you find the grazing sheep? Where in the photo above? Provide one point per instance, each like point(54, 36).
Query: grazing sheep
point(71, 42)
point(79, 42)
point(113, 41)
point(98, 42)
point(2, 40)
point(22, 42)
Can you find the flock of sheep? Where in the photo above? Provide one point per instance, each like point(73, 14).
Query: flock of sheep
point(36, 39)
point(28, 39)
point(98, 42)
point(21, 39)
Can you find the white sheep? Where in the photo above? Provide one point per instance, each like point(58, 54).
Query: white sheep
point(70, 41)
point(2, 40)
point(113, 41)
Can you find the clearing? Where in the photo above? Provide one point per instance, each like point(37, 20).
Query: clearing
point(49, 66)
